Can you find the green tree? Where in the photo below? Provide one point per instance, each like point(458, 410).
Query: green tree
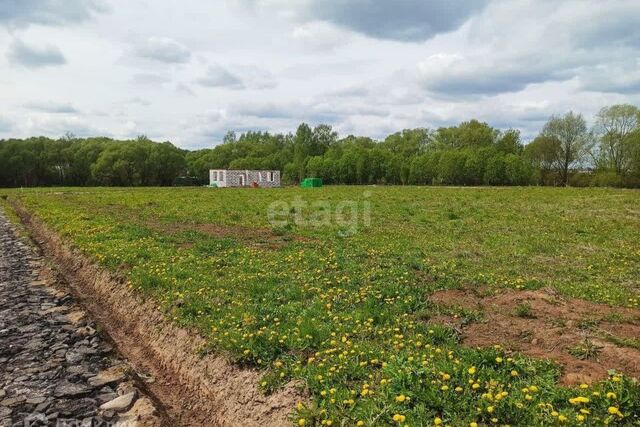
point(614, 127)
point(573, 139)
point(543, 153)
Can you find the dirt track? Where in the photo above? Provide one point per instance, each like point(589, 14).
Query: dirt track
point(55, 368)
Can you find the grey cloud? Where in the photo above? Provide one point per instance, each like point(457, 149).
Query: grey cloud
point(51, 107)
point(614, 27)
point(490, 83)
point(163, 49)
point(486, 75)
point(414, 20)
point(217, 76)
point(34, 56)
point(403, 20)
point(622, 78)
point(21, 13)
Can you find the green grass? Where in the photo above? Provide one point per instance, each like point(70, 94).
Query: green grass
point(341, 308)
point(524, 310)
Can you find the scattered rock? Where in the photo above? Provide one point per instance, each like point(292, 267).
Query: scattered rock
point(36, 400)
point(71, 390)
point(73, 356)
point(125, 387)
point(112, 375)
point(108, 414)
point(119, 404)
point(43, 406)
point(106, 397)
point(141, 413)
point(76, 317)
point(13, 401)
point(4, 412)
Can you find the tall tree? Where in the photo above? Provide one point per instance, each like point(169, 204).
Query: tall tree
point(614, 127)
point(573, 139)
point(301, 148)
point(542, 152)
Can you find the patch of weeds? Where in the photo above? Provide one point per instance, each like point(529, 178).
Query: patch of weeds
point(346, 232)
point(417, 265)
point(452, 216)
point(466, 316)
point(588, 323)
point(622, 342)
point(526, 335)
point(585, 350)
point(558, 323)
point(525, 311)
point(613, 317)
point(282, 230)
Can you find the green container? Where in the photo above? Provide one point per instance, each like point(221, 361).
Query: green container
point(311, 182)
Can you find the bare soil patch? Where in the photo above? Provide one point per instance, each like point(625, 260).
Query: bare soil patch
point(546, 325)
point(258, 237)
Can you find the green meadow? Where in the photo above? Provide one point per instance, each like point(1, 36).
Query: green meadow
point(330, 288)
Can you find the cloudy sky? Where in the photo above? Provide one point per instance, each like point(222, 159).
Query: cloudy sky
point(189, 71)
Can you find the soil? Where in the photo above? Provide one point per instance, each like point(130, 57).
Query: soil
point(257, 237)
point(549, 329)
point(195, 390)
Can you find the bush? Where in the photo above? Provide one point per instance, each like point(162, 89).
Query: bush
point(451, 168)
point(495, 173)
point(581, 179)
point(517, 170)
point(607, 179)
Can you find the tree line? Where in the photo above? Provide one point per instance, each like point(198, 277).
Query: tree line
point(566, 152)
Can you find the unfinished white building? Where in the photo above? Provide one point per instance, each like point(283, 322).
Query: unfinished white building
point(244, 178)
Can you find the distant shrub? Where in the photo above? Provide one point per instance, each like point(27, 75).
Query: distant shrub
point(495, 172)
point(581, 179)
point(607, 179)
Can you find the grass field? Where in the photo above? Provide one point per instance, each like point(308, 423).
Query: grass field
point(343, 304)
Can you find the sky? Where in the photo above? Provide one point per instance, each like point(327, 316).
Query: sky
point(190, 71)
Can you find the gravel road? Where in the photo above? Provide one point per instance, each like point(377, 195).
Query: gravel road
point(55, 368)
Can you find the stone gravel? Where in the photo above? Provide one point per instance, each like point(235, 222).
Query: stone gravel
point(55, 368)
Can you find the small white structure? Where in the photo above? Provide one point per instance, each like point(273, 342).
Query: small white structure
point(244, 178)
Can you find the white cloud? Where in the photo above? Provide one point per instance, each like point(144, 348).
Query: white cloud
point(320, 36)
